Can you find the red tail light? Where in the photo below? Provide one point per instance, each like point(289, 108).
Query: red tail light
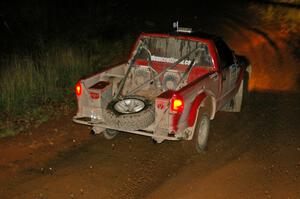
point(78, 89)
point(177, 104)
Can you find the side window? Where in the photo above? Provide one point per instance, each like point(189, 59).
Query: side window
point(225, 54)
point(203, 57)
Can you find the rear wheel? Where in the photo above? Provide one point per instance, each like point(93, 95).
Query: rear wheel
point(242, 96)
point(202, 132)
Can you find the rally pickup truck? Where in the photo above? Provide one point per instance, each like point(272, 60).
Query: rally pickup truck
point(170, 88)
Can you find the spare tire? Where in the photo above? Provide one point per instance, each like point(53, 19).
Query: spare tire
point(130, 113)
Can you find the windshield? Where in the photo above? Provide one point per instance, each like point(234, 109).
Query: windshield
point(169, 50)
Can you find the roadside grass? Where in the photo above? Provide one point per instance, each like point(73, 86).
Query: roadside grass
point(33, 85)
point(7, 132)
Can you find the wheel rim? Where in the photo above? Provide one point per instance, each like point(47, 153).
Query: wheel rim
point(110, 134)
point(129, 106)
point(203, 132)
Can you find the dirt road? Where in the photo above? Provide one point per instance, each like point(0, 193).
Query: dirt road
point(252, 154)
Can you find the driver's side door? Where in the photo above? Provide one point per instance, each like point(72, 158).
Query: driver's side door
point(227, 70)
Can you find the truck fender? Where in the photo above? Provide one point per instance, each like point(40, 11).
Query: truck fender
point(205, 101)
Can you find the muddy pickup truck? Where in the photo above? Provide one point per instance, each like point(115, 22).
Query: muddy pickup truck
point(170, 88)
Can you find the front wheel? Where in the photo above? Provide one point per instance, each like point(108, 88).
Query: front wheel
point(202, 132)
point(110, 134)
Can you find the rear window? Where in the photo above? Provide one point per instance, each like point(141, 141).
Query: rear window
point(170, 49)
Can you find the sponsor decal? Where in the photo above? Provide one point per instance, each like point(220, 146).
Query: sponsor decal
point(214, 76)
point(94, 95)
point(160, 106)
point(170, 60)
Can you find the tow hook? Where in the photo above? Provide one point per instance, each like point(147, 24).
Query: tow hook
point(187, 133)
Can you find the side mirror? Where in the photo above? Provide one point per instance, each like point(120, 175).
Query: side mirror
point(235, 61)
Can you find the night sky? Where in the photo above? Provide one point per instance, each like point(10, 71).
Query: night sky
point(25, 22)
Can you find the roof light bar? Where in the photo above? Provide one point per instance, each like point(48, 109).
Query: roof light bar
point(181, 29)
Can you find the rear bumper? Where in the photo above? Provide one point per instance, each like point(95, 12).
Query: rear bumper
point(101, 124)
